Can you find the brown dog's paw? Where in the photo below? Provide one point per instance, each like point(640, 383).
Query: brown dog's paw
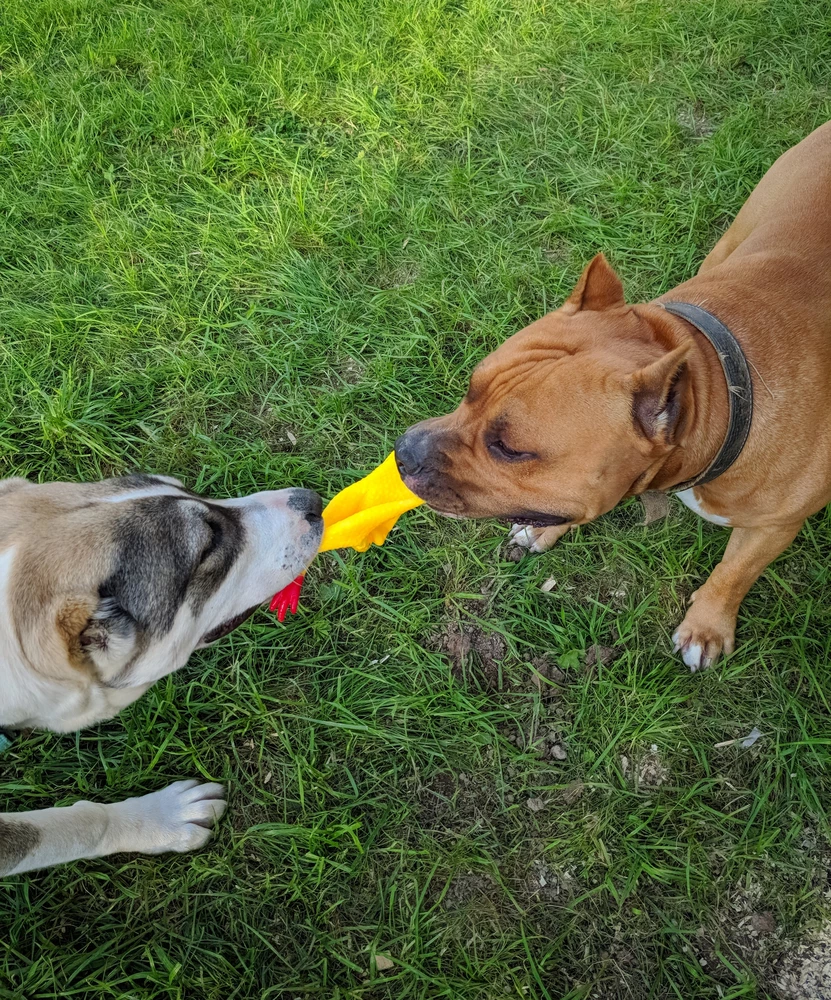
point(700, 640)
point(536, 539)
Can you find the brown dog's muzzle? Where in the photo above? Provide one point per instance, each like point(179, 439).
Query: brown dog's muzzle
point(424, 466)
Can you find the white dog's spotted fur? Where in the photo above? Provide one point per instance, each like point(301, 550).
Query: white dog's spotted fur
point(104, 589)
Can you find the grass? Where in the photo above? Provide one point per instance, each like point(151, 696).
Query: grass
point(221, 223)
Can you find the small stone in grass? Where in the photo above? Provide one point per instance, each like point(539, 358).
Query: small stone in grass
point(549, 585)
point(604, 655)
point(573, 793)
point(383, 963)
point(536, 805)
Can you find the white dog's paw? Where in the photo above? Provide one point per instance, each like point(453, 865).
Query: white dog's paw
point(536, 539)
point(177, 818)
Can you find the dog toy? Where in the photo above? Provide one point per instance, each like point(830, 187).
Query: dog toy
point(361, 515)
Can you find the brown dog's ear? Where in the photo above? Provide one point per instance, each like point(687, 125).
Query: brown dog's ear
point(599, 288)
point(657, 395)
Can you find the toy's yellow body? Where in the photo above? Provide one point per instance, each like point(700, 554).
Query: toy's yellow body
point(365, 512)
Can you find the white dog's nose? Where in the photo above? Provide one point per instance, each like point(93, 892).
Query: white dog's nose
point(304, 503)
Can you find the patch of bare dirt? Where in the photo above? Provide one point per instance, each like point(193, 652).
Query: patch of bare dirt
point(543, 883)
point(474, 907)
point(745, 927)
point(543, 733)
point(475, 654)
point(695, 121)
point(349, 370)
point(546, 676)
point(541, 729)
point(646, 769)
point(603, 655)
point(804, 973)
point(572, 793)
point(549, 744)
point(455, 802)
point(468, 888)
point(556, 251)
point(436, 799)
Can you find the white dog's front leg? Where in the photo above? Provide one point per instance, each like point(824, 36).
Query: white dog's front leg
point(177, 818)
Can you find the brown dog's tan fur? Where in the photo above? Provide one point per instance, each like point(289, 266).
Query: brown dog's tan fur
point(604, 400)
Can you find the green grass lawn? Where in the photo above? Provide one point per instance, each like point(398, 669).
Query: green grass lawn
point(247, 244)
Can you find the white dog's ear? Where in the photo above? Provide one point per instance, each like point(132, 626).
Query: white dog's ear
point(109, 638)
point(10, 485)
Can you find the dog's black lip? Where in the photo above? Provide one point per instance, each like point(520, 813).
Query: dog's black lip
point(228, 626)
point(537, 520)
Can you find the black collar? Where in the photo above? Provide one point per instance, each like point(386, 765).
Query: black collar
point(739, 389)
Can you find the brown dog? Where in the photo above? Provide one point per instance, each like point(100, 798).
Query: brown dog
point(600, 400)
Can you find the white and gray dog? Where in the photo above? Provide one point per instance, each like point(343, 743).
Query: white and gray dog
point(105, 588)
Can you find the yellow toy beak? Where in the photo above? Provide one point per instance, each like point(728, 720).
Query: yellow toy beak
point(361, 515)
point(364, 513)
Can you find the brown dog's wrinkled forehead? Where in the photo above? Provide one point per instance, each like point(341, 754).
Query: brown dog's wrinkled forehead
point(546, 386)
point(512, 367)
point(561, 420)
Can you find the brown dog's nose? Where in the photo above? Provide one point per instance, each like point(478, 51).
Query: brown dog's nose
point(411, 451)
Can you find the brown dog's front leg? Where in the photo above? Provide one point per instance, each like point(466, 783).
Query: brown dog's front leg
point(537, 539)
point(709, 626)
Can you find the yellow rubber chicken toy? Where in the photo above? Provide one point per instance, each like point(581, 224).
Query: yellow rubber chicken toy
point(364, 513)
point(361, 515)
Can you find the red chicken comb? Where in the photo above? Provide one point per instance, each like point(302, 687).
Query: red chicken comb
point(287, 599)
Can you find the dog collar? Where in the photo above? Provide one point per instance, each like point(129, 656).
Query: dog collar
point(739, 389)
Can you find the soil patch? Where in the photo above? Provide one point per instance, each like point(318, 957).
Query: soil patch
point(475, 655)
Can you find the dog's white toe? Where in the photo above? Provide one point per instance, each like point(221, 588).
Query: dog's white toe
point(177, 818)
point(694, 654)
point(523, 535)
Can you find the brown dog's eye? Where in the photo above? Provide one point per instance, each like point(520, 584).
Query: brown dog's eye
point(499, 450)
